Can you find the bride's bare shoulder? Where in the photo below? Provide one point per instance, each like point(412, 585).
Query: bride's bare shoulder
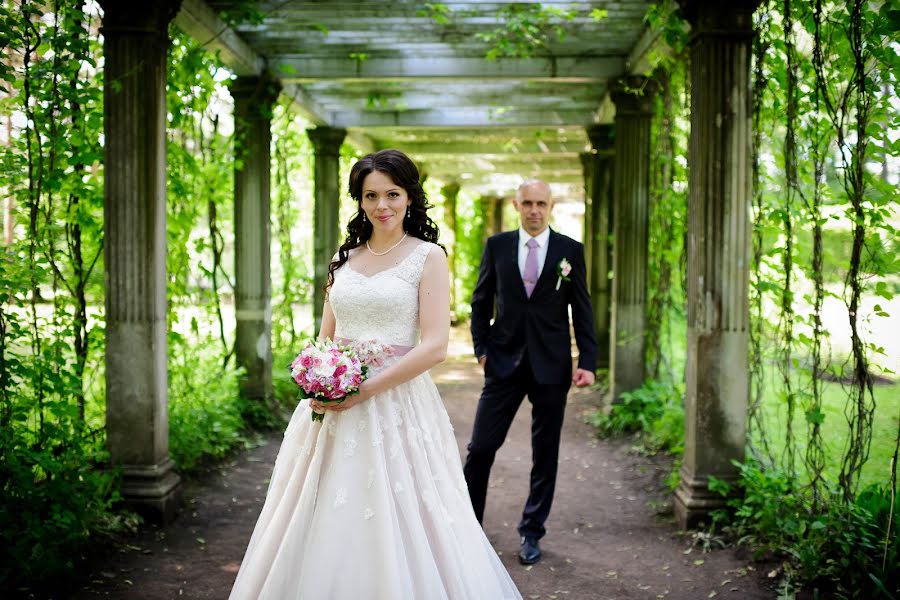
point(435, 255)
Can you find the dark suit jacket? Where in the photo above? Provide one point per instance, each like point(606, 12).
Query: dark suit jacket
point(539, 324)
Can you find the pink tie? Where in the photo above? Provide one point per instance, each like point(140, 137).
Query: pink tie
point(530, 276)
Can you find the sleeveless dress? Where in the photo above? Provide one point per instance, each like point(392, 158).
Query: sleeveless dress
point(371, 503)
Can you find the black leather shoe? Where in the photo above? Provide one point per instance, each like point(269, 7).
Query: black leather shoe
point(529, 551)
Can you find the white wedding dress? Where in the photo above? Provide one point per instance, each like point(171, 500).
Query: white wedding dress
point(371, 503)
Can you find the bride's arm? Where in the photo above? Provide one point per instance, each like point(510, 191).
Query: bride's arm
point(434, 325)
point(326, 329)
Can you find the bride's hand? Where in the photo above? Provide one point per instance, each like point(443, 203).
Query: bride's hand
point(352, 400)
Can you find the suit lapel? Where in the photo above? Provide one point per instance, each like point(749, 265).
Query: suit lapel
point(554, 255)
point(512, 254)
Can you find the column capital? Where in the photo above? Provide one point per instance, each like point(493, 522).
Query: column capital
point(260, 91)
point(138, 18)
point(633, 95)
point(450, 189)
point(327, 140)
point(726, 19)
point(602, 137)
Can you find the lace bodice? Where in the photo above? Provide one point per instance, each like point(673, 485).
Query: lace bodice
point(384, 306)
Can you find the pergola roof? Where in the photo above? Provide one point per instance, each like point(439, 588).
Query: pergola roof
point(395, 77)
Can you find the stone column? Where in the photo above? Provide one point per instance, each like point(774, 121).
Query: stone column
point(631, 193)
point(253, 101)
point(326, 228)
point(500, 204)
point(450, 192)
point(488, 205)
point(587, 169)
point(602, 141)
point(718, 252)
point(135, 39)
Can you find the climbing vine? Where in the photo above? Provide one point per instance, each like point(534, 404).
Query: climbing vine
point(823, 244)
point(822, 234)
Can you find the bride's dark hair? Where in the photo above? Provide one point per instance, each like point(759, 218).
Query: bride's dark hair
point(403, 172)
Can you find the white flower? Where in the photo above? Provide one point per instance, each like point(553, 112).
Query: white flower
point(562, 270)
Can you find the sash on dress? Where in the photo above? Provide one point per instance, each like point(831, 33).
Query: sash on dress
point(398, 350)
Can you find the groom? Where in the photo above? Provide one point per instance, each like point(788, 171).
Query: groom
point(531, 276)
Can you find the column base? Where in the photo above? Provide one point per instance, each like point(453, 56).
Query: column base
point(626, 358)
point(152, 491)
point(603, 350)
point(694, 501)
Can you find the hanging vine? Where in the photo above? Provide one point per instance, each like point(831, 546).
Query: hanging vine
point(848, 112)
point(755, 417)
point(791, 191)
point(667, 222)
point(815, 458)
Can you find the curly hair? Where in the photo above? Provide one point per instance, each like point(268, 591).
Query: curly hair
point(403, 172)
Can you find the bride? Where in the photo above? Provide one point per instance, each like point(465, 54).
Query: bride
point(371, 502)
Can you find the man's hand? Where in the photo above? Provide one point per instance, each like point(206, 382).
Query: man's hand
point(582, 378)
point(482, 360)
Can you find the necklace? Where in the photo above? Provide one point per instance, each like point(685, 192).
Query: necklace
point(386, 251)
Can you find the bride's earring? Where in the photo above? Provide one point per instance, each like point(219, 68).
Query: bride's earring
point(364, 218)
point(407, 212)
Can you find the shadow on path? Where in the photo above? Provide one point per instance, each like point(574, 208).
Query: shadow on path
point(605, 536)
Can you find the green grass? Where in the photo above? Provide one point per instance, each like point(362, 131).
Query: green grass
point(835, 430)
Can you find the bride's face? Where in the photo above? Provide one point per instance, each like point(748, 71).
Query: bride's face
point(383, 201)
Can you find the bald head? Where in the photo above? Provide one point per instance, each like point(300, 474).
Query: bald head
point(533, 186)
point(534, 203)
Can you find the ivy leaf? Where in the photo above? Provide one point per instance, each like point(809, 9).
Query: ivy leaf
point(815, 416)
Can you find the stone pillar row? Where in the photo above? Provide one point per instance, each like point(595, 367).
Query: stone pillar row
point(135, 44)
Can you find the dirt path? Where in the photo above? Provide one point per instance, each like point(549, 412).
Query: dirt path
point(605, 540)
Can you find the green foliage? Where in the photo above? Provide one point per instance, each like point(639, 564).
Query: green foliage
point(469, 247)
point(436, 11)
point(656, 409)
point(846, 550)
point(664, 17)
point(54, 500)
point(205, 409)
point(292, 193)
point(667, 227)
point(526, 29)
point(56, 494)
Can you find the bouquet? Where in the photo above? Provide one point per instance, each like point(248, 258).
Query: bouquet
point(329, 372)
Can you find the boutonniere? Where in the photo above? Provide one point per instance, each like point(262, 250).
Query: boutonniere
point(562, 271)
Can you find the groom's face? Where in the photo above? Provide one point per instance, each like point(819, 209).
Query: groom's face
point(534, 205)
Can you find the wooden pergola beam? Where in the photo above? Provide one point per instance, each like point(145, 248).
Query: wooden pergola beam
point(462, 117)
point(300, 69)
point(201, 22)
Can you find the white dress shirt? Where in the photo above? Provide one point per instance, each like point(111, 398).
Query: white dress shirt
point(542, 239)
